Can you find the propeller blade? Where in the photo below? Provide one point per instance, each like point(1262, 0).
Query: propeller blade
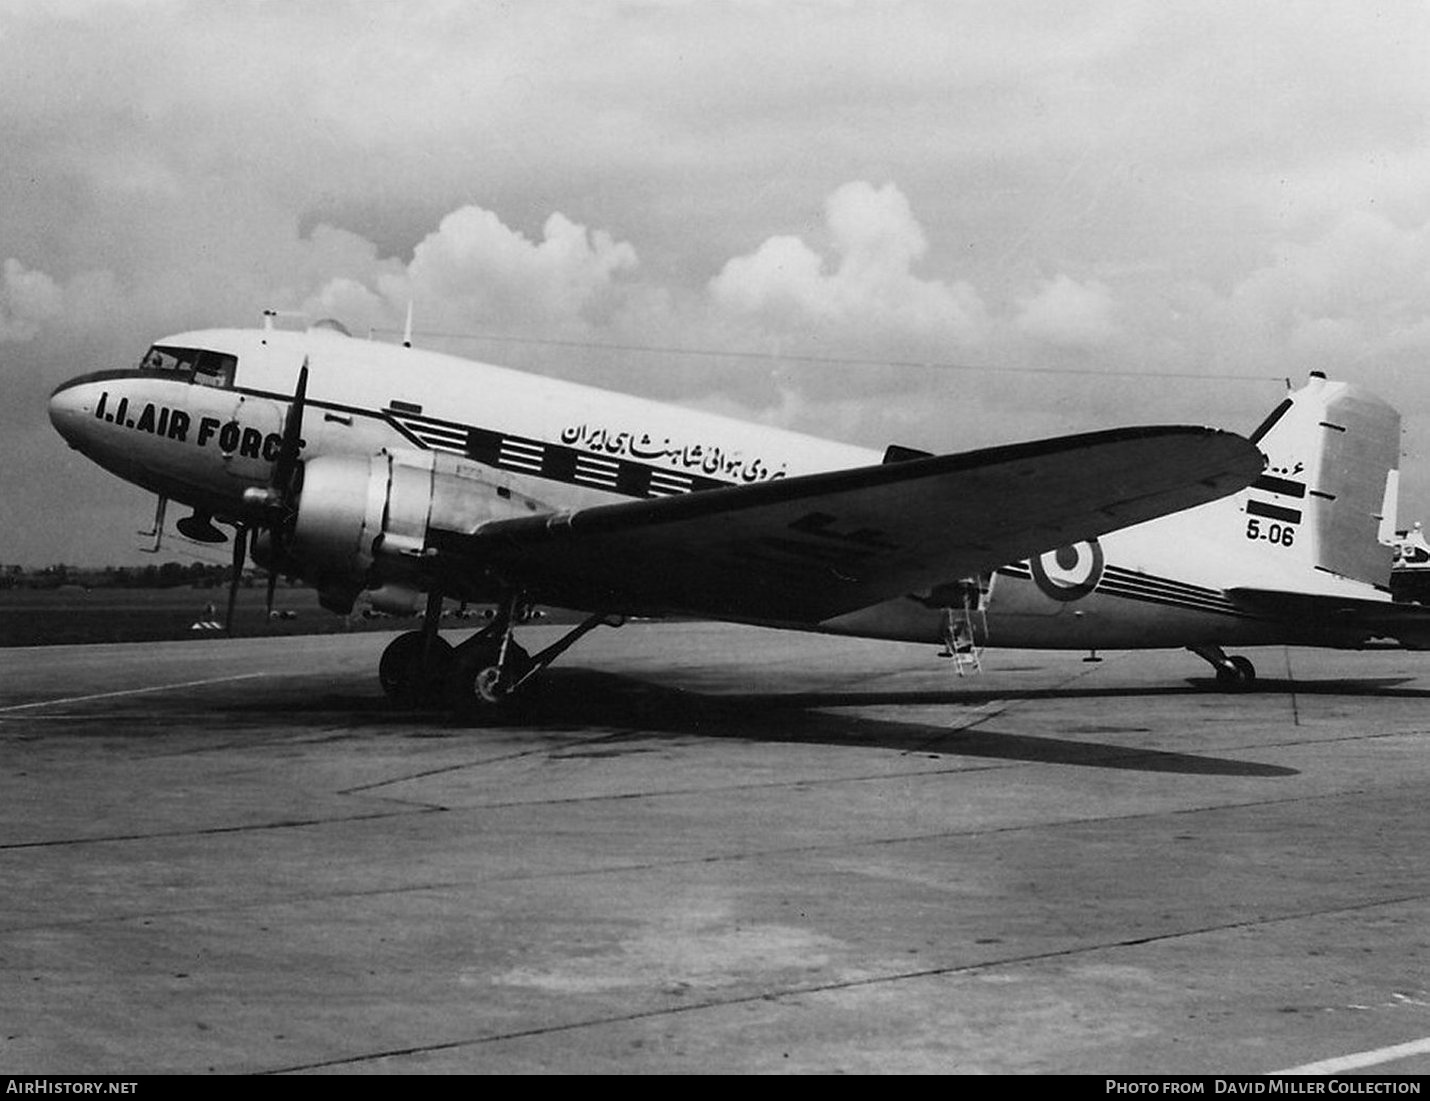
point(272, 585)
point(281, 496)
point(240, 555)
point(287, 462)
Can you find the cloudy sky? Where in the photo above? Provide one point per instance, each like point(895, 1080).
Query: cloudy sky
point(942, 224)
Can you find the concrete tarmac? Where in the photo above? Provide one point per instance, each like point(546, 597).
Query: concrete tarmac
point(714, 849)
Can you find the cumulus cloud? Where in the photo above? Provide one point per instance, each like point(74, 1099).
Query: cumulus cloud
point(472, 272)
point(1361, 262)
point(1357, 293)
point(477, 270)
point(27, 298)
point(346, 300)
point(1069, 314)
point(876, 241)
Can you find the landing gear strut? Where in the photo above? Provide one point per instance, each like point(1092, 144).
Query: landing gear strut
point(1232, 671)
point(486, 678)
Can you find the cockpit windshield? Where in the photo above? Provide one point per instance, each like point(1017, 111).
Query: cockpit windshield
point(197, 365)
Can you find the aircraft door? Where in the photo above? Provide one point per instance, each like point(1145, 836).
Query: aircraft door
point(964, 604)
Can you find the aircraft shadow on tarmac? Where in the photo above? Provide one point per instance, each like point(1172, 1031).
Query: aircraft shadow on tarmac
point(635, 711)
point(585, 699)
point(1381, 687)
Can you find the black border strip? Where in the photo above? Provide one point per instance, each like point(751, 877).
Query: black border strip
point(1280, 485)
point(1274, 512)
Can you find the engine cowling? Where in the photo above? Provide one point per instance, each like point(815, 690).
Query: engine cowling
point(363, 521)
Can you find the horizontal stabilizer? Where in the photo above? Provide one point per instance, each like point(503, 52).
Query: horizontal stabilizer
point(1319, 608)
point(1366, 618)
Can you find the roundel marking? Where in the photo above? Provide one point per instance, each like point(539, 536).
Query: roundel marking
point(1068, 573)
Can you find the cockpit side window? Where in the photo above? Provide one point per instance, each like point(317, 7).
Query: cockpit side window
point(214, 369)
point(197, 365)
point(177, 360)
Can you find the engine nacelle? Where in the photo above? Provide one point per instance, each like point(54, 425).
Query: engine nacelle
point(363, 522)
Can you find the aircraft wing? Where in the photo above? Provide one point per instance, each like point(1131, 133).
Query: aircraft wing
point(801, 550)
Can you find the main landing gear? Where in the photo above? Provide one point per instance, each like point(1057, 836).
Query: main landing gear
point(489, 677)
point(1232, 671)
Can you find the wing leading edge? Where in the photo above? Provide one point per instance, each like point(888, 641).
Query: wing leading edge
point(801, 550)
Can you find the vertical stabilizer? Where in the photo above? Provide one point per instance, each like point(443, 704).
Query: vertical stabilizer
point(1327, 496)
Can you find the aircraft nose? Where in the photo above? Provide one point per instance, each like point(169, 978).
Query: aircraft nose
point(71, 407)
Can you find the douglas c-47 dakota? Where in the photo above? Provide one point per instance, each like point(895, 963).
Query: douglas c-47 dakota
point(411, 477)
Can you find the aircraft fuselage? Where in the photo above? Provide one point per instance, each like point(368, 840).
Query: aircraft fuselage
point(201, 422)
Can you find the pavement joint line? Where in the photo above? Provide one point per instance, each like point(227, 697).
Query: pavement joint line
point(1291, 691)
point(515, 755)
point(619, 869)
point(760, 854)
point(1399, 1051)
point(903, 839)
point(983, 712)
point(856, 778)
point(1001, 705)
point(421, 808)
point(766, 785)
point(130, 692)
point(239, 744)
point(570, 800)
point(209, 831)
point(229, 907)
point(1336, 739)
point(1359, 1059)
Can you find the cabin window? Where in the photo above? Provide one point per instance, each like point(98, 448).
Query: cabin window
point(198, 365)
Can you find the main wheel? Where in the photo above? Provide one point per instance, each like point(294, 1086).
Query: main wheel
point(1237, 674)
point(413, 670)
point(478, 689)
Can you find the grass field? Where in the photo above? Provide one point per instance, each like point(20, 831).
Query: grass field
point(35, 617)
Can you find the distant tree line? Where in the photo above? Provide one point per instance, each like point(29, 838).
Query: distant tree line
point(166, 575)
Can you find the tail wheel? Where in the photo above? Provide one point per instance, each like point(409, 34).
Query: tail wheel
point(1237, 673)
point(414, 669)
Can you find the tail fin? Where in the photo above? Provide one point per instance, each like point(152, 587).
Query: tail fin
point(1328, 495)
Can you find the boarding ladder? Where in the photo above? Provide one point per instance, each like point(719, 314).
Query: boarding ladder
point(965, 623)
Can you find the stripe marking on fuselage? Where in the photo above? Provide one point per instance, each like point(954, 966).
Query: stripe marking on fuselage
point(1131, 585)
point(552, 461)
point(1161, 590)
